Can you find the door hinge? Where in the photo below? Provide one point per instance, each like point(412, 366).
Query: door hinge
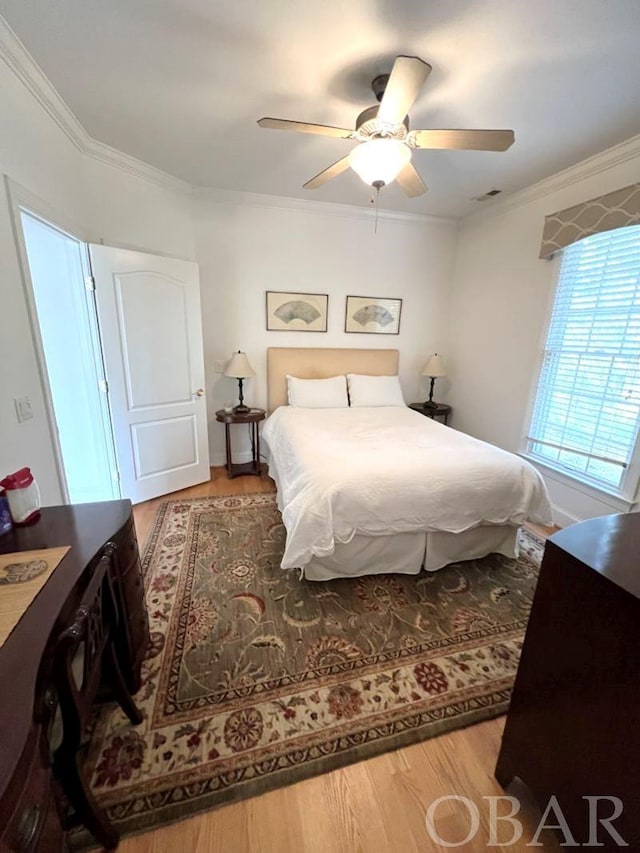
point(103, 385)
point(90, 282)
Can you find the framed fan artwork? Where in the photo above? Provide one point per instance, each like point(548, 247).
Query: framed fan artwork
point(296, 312)
point(372, 316)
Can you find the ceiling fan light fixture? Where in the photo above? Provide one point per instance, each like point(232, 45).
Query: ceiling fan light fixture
point(378, 161)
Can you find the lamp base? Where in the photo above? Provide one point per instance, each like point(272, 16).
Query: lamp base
point(241, 409)
point(430, 404)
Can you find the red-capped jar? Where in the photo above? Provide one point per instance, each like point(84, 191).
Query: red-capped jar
point(23, 496)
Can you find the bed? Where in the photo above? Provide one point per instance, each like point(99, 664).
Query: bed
point(384, 489)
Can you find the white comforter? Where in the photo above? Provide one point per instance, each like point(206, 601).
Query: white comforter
point(388, 470)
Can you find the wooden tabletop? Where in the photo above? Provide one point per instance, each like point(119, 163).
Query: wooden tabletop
point(250, 417)
point(437, 408)
point(609, 544)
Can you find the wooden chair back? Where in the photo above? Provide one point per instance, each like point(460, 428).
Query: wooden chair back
point(81, 646)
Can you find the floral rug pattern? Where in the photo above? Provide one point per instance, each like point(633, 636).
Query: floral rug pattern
point(256, 678)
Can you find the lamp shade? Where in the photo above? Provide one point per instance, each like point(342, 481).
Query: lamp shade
point(239, 366)
point(434, 366)
point(379, 160)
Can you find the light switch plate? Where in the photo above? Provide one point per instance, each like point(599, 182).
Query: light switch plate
point(218, 366)
point(24, 410)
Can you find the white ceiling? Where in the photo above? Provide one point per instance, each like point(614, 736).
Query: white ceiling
point(180, 84)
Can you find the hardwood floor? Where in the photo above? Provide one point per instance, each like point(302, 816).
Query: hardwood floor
point(374, 806)
point(219, 484)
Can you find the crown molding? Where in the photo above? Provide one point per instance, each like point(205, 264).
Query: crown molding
point(22, 64)
point(601, 162)
point(25, 68)
point(104, 153)
point(19, 60)
point(311, 206)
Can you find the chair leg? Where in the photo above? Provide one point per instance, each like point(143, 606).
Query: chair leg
point(119, 686)
point(82, 800)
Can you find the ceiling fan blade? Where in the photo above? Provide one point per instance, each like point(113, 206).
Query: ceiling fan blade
point(469, 140)
point(410, 181)
point(330, 172)
point(305, 127)
point(405, 82)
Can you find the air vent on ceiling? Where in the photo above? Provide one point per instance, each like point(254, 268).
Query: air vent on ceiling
point(486, 196)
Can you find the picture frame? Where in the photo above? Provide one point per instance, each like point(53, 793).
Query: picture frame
point(289, 311)
point(372, 315)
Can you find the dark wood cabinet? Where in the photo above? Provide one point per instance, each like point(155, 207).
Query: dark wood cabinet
point(34, 822)
point(573, 725)
point(29, 794)
point(129, 589)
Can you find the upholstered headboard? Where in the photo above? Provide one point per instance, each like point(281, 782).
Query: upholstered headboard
point(320, 363)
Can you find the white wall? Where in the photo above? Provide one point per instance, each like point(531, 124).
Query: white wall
point(37, 155)
point(133, 213)
point(246, 246)
point(95, 200)
point(500, 299)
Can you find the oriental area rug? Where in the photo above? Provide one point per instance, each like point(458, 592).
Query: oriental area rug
point(257, 679)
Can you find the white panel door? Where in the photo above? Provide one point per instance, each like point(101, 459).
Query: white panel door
point(150, 322)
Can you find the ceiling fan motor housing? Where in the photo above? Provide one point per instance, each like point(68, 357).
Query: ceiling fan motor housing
point(379, 84)
point(367, 125)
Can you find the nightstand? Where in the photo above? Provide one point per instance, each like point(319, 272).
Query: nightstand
point(440, 410)
point(253, 418)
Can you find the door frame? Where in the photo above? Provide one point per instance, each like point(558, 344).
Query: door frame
point(22, 200)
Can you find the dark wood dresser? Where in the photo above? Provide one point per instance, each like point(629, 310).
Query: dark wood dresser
point(573, 728)
point(29, 813)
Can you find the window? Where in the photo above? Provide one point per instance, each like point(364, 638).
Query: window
point(586, 413)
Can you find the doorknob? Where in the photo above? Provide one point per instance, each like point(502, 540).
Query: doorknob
point(199, 392)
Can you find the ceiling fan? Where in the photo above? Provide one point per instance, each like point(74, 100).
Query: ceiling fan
point(384, 139)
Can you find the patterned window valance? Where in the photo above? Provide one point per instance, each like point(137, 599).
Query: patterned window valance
point(614, 210)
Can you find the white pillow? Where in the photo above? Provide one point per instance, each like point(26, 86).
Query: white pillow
point(318, 393)
point(374, 390)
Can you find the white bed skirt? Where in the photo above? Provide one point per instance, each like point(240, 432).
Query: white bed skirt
point(408, 553)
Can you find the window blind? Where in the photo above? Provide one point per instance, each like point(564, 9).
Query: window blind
point(586, 413)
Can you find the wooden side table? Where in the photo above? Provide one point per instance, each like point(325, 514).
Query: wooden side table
point(440, 410)
point(253, 418)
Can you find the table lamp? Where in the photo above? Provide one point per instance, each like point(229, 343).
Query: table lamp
point(433, 368)
point(239, 368)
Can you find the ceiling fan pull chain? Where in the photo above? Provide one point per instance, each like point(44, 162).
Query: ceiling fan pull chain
point(377, 185)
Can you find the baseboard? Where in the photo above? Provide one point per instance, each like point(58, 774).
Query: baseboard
point(562, 518)
point(241, 456)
